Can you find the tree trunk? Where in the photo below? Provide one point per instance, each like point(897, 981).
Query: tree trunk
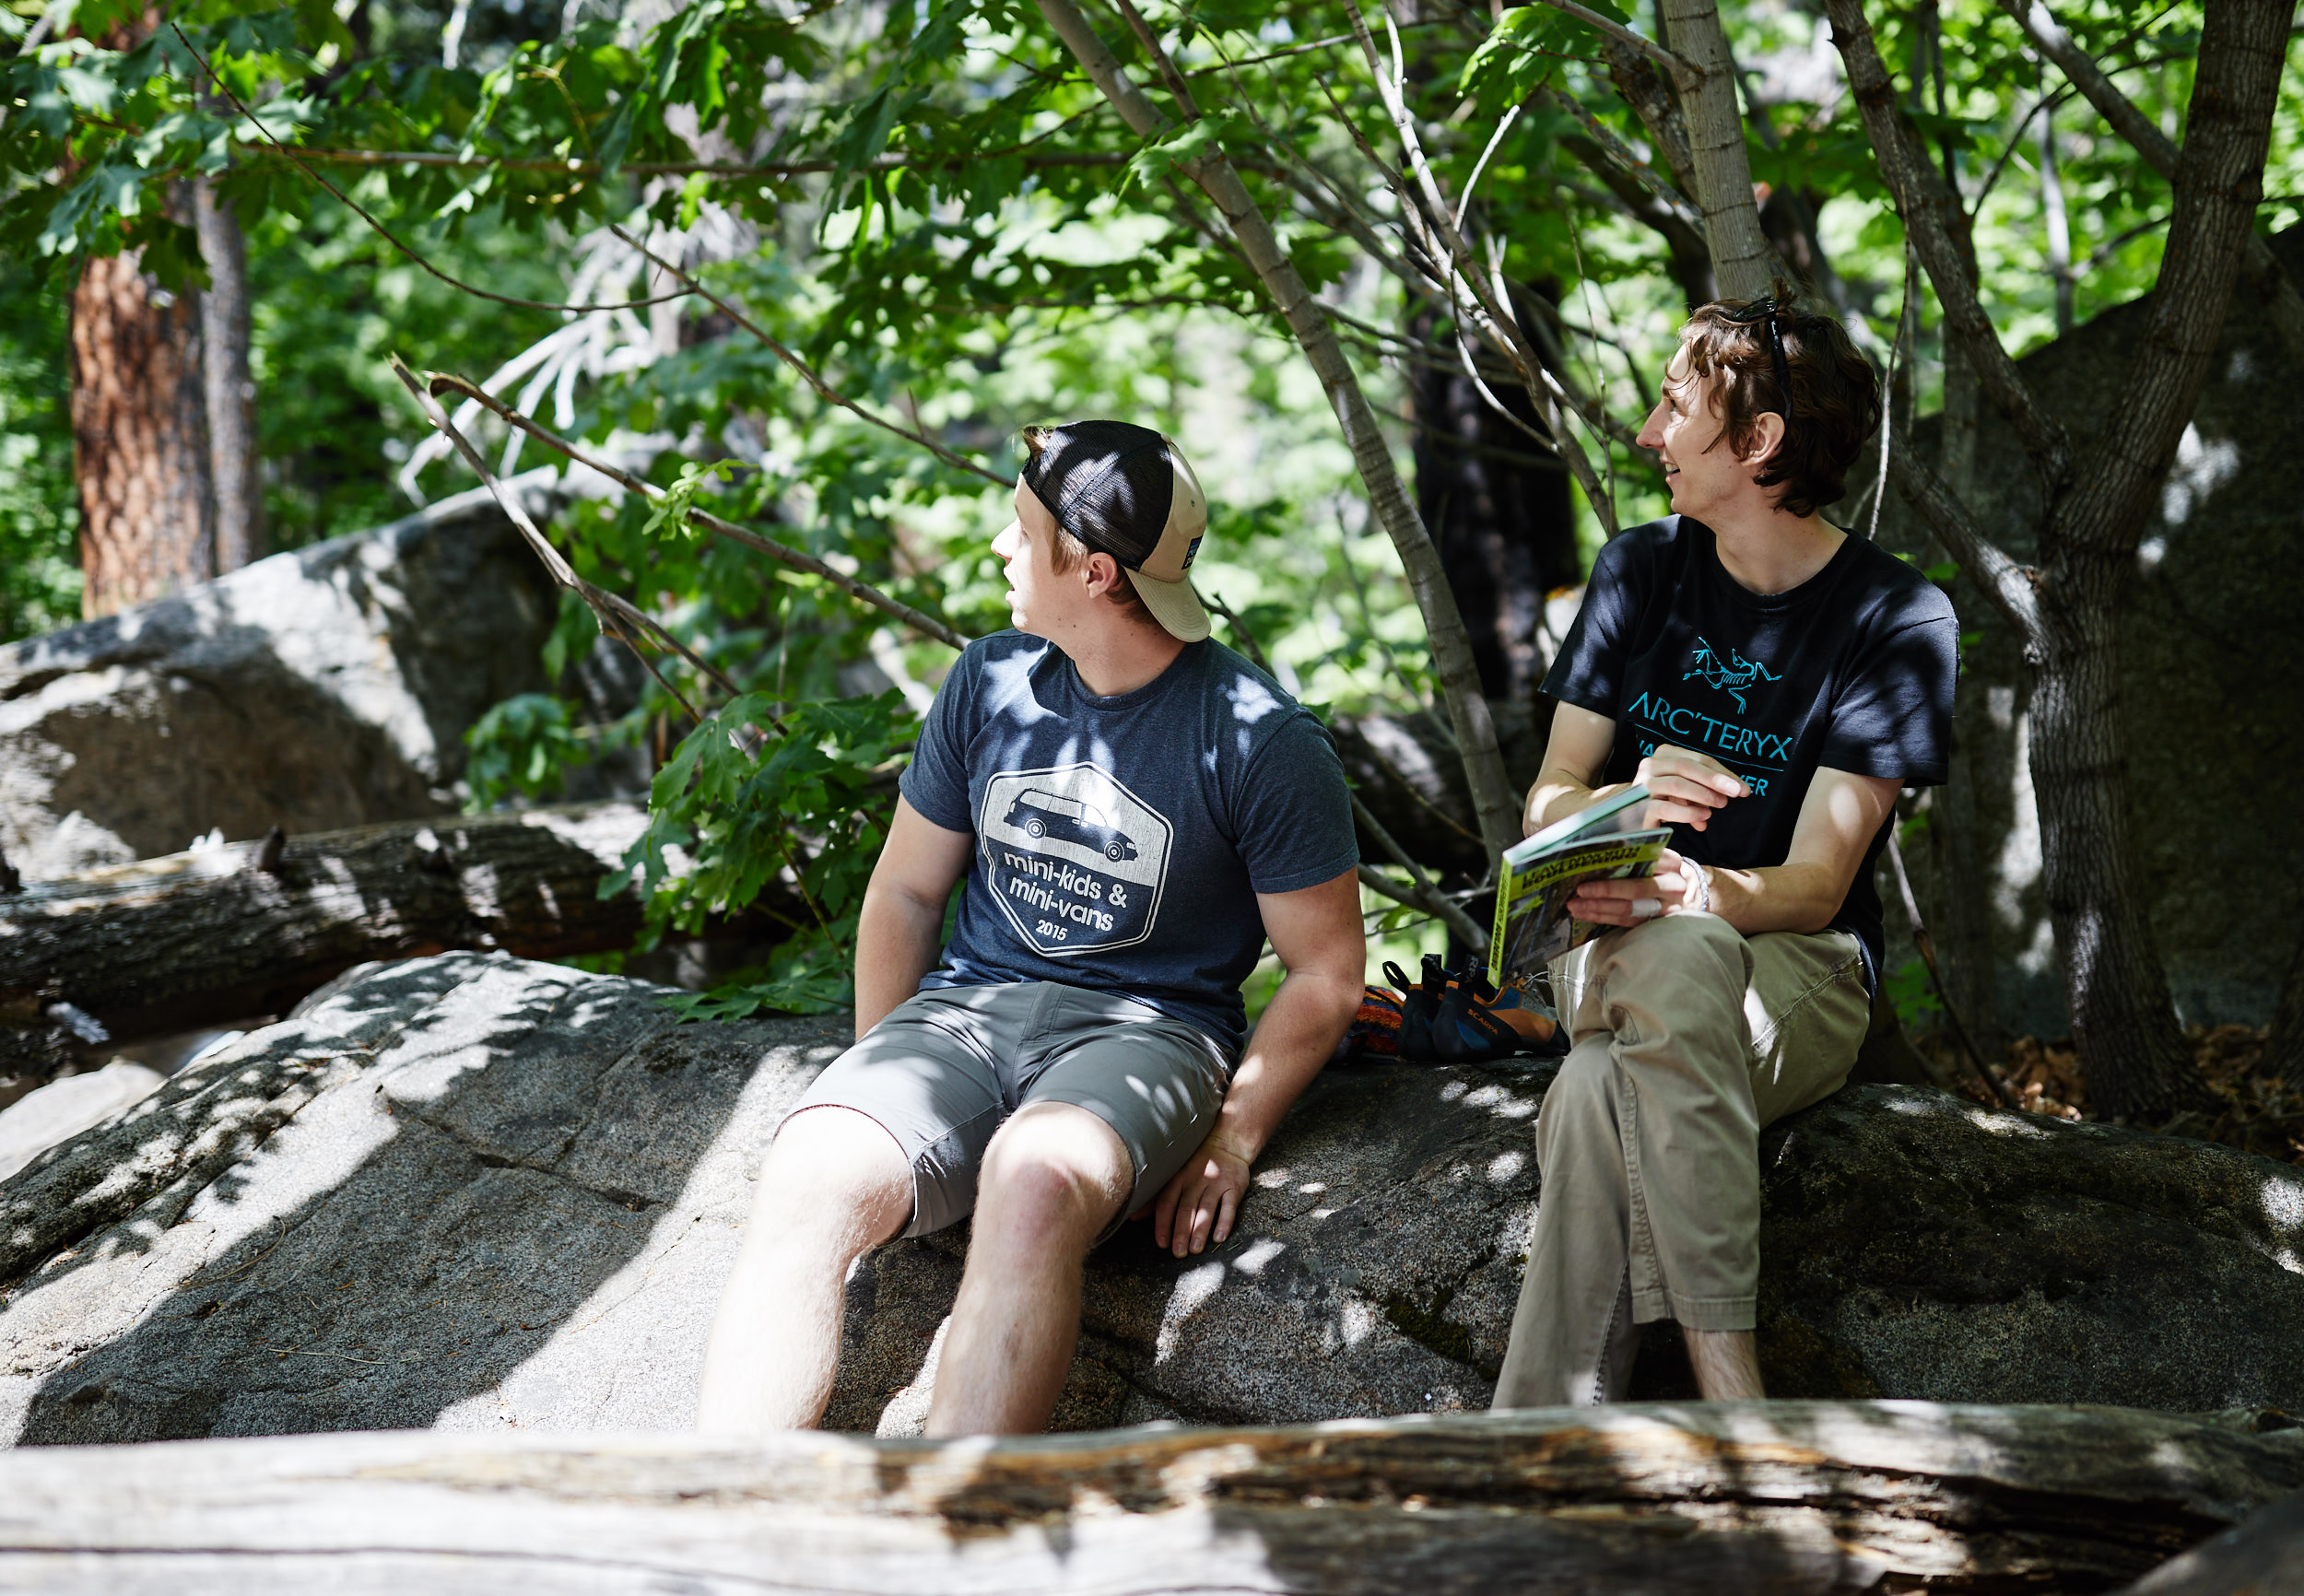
point(171, 944)
point(1786, 1498)
point(1742, 261)
point(2123, 1019)
point(230, 393)
point(139, 437)
point(1502, 519)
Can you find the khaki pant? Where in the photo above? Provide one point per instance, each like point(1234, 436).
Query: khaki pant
point(1688, 1037)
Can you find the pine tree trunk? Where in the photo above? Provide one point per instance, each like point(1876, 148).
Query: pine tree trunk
point(230, 391)
point(2124, 1020)
point(139, 437)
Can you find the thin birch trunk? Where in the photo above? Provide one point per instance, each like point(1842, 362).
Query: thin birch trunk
point(1493, 798)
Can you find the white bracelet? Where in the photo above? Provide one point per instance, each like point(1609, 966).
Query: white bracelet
point(1703, 887)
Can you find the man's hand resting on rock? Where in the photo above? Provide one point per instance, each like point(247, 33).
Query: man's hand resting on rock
point(1197, 1207)
point(1685, 787)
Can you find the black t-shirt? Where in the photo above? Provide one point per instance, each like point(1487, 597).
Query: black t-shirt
point(1852, 670)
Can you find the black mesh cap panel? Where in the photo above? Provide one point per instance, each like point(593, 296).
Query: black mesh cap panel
point(1108, 484)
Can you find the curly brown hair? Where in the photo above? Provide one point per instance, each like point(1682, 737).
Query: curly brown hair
point(1832, 405)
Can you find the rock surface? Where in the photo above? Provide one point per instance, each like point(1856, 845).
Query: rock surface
point(62, 1110)
point(324, 687)
point(477, 1193)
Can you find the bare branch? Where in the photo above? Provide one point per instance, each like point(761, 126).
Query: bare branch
point(1619, 153)
point(2007, 585)
point(927, 625)
point(1683, 72)
point(616, 616)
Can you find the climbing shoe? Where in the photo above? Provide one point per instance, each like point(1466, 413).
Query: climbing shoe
point(1375, 1030)
point(1476, 1021)
point(1419, 1007)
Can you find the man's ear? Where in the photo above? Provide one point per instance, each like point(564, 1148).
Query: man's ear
point(1103, 574)
point(1767, 437)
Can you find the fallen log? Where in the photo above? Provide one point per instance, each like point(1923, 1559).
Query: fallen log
point(227, 932)
point(1775, 1497)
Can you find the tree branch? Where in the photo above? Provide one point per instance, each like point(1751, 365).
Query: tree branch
point(2007, 585)
point(1493, 799)
point(927, 625)
point(2261, 267)
point(386, 233)
point(615, 617)
point(2219, 177)
point(1683, 72)
point(824, 390)
point(1928, 209)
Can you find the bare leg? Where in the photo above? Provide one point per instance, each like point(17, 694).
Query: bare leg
point(1051, 1181)
point(1727, 1366)
point(834, 1186)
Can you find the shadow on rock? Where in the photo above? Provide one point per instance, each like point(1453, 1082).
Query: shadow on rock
point(435, 1197)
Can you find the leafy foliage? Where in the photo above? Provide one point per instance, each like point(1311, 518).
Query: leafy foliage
point(929, 204)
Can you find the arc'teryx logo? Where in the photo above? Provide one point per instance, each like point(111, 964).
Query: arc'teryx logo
point(1732, 679)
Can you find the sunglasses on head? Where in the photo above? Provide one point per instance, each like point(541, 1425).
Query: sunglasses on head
point(1766, 309)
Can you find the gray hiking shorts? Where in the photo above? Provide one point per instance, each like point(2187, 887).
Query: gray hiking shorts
point(946, 1068)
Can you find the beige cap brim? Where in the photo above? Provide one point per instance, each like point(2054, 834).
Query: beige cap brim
point(1173, 604)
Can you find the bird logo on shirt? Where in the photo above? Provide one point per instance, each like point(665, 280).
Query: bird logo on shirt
point(1732, 679)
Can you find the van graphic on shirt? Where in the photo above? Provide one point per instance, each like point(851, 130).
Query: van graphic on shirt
point(1074, 860)
point(1042, 815)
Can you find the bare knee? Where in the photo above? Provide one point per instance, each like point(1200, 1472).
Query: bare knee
point(833, 1170)
point(1053, 1172)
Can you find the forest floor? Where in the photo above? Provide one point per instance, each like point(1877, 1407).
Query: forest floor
point(2253, 1111)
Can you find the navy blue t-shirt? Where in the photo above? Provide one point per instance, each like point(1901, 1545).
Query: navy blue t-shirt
point(1121, 841)
point(1852, 670)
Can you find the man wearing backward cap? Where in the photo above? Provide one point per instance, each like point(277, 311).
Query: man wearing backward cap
point(1135, 809)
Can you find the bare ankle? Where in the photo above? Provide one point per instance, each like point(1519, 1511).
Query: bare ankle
point(1727, 1364)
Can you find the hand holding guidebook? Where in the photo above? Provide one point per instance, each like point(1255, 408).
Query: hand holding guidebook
point(1533, 925)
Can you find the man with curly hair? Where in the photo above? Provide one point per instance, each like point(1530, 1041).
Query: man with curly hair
point(1773, 682)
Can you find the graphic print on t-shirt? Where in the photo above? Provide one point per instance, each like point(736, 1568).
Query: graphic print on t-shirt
point(1073, 859)
point(1730, 678)
point(1752, 752)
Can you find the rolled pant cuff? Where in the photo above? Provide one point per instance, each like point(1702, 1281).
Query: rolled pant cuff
point(1713, 1312)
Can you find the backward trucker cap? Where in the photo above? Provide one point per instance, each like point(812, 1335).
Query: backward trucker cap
point(1128, 491)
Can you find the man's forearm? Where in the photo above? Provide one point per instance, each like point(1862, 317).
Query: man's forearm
point(1799, 896)
point(896, 947)
point(1293, 1040)
point(1556, 796)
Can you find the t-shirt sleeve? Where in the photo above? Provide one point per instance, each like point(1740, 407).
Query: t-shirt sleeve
point(935, 782)
point(1294, 813)
point(1893, 716)
point(1590, 666)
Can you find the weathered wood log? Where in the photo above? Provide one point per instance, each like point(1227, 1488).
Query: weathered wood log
point(1776, 1497)
point(241, 929)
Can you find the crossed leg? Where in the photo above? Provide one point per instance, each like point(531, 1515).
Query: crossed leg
point(834, 1186)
